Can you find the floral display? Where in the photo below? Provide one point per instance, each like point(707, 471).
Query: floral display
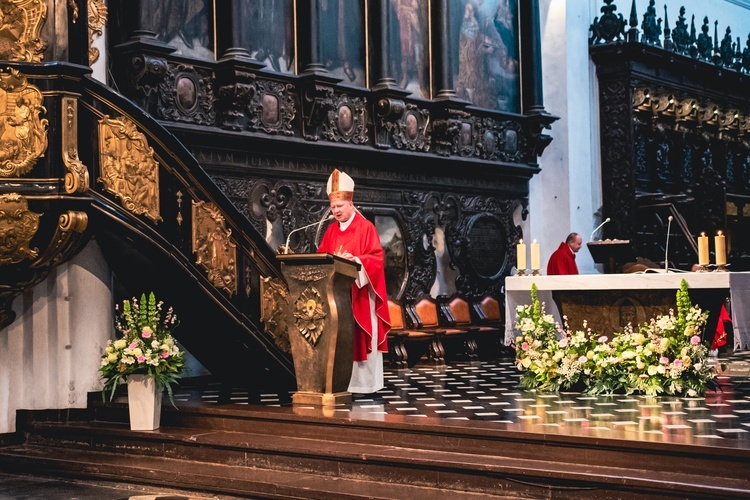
point(146, 346)
point(664, 356)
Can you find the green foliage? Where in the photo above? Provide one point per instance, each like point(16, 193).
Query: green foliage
point(664, 355)
point(146, 346)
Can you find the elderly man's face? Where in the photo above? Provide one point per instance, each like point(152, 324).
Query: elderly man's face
point(576, 244)
point(342, 210)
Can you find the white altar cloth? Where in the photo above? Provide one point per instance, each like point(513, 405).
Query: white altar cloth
point(518, 292)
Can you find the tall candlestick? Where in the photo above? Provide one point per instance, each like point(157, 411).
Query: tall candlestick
point(535, 257)
point(703, 250)
point(721, 249)
point(521, 255)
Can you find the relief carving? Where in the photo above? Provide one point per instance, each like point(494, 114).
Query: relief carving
point(307, 273)
point(18, 225)
point(129, 170)
point(309, 316)
point(346, 120)
point(274, 310)
point(20, 28)
point(272, 108)
point(212, 243)
point(186, 95)
point(66, 240)
point(97, 17)
point(77, 177)
point(23, 133)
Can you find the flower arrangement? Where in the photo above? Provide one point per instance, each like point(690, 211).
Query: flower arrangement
point(145, 348)
point(665, 355)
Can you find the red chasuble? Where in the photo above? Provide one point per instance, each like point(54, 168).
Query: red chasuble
point(361, 240)
point(562, 261)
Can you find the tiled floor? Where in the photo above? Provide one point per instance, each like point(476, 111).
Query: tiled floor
point(489, 392)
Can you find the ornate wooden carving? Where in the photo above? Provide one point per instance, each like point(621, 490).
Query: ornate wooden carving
point(21, 23)
point(97, 17)
point(77, 177)
point(146, 72)
point(345, 120)
point(129, 170)
point(23, 133)
point(401, 125)
point(212, 243)
point(186, 95)
point(71, 226)
point(18, 225)
point(275, 310)
point(235, 99)
point(609, 27)
point(309, 316)
point(272, 108)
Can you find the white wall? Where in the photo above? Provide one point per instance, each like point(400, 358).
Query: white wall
point(50, 355)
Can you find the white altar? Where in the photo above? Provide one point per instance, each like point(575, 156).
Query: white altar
point(737, 285)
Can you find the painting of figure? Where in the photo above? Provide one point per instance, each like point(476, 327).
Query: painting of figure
point(342, 37)
point(409, 41)
point(184, 24)
point(485, 53)
point(268, 33)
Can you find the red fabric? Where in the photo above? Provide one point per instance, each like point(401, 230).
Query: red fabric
point(361, 240)
point(562, 261)
point(720, 336)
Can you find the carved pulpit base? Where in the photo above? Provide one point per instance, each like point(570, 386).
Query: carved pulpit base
point(322, 399)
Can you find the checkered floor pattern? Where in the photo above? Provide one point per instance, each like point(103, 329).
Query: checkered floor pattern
point(488, 392)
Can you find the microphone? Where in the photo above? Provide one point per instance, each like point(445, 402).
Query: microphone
point(666, 247)
point(598, 228)
point(289, 236)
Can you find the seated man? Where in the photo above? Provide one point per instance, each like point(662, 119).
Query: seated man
point(563, 260)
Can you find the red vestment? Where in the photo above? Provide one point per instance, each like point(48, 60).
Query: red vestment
point(361, 240)
point(720, 336)
point(562, 261)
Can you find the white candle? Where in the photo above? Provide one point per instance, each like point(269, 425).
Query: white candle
point(721, 249)
point(535, 256)
point(521, 255)
point(703, 250)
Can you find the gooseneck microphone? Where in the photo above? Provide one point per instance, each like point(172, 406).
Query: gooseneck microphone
point(598, 228)
point(289, 236)
point(666, 247)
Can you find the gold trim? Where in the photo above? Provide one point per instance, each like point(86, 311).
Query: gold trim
point(274, 310)
point(68, 235)
point(77, 177)
point(129, 170)
point(18, 225)
point(20, 29)
point(97, 17)
point(23, 133)
point(212, 243)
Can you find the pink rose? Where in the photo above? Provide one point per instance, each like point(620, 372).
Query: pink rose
point(164, 354)
point(563, 342)
point(525, 346)
point(141, 359)
point(677, 363)
point(133, 345)
point(602, 339)
point(583, 359)
point(664, 360)
point(695, 340)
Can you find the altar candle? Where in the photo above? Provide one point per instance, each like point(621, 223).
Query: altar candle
point(721, 249)
point(703, 250)
point(521, 255)
point(535, 256)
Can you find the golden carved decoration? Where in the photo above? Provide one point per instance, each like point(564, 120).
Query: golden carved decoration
point(274, 309)
point(20, 29)
point(64, 243)
point(23, 133)
point(18, 225)
point(129, 170)
point(213, 245)
point(77, 178)
point(307, 273)
point(97, 16)
point(73, 6)
point(309, 316)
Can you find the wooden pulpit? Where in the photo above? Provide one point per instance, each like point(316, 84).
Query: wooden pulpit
point(320, 325)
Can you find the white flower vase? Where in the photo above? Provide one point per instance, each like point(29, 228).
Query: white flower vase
point(144, 403)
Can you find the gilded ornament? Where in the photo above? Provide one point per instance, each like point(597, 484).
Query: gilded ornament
point(66, 240)
point(20, 29)
point(213, 246)
point(77, 178)
point(309, 316)
point(307, 273)
point(97, 17)
point(23, 133)
point(129, 170)
point(274, 309)
point(18, 225)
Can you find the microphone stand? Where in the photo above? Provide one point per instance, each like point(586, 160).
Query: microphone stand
point(591, 238)
point(289, 236)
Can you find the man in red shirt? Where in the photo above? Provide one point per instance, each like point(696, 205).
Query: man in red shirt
point(563, 260)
